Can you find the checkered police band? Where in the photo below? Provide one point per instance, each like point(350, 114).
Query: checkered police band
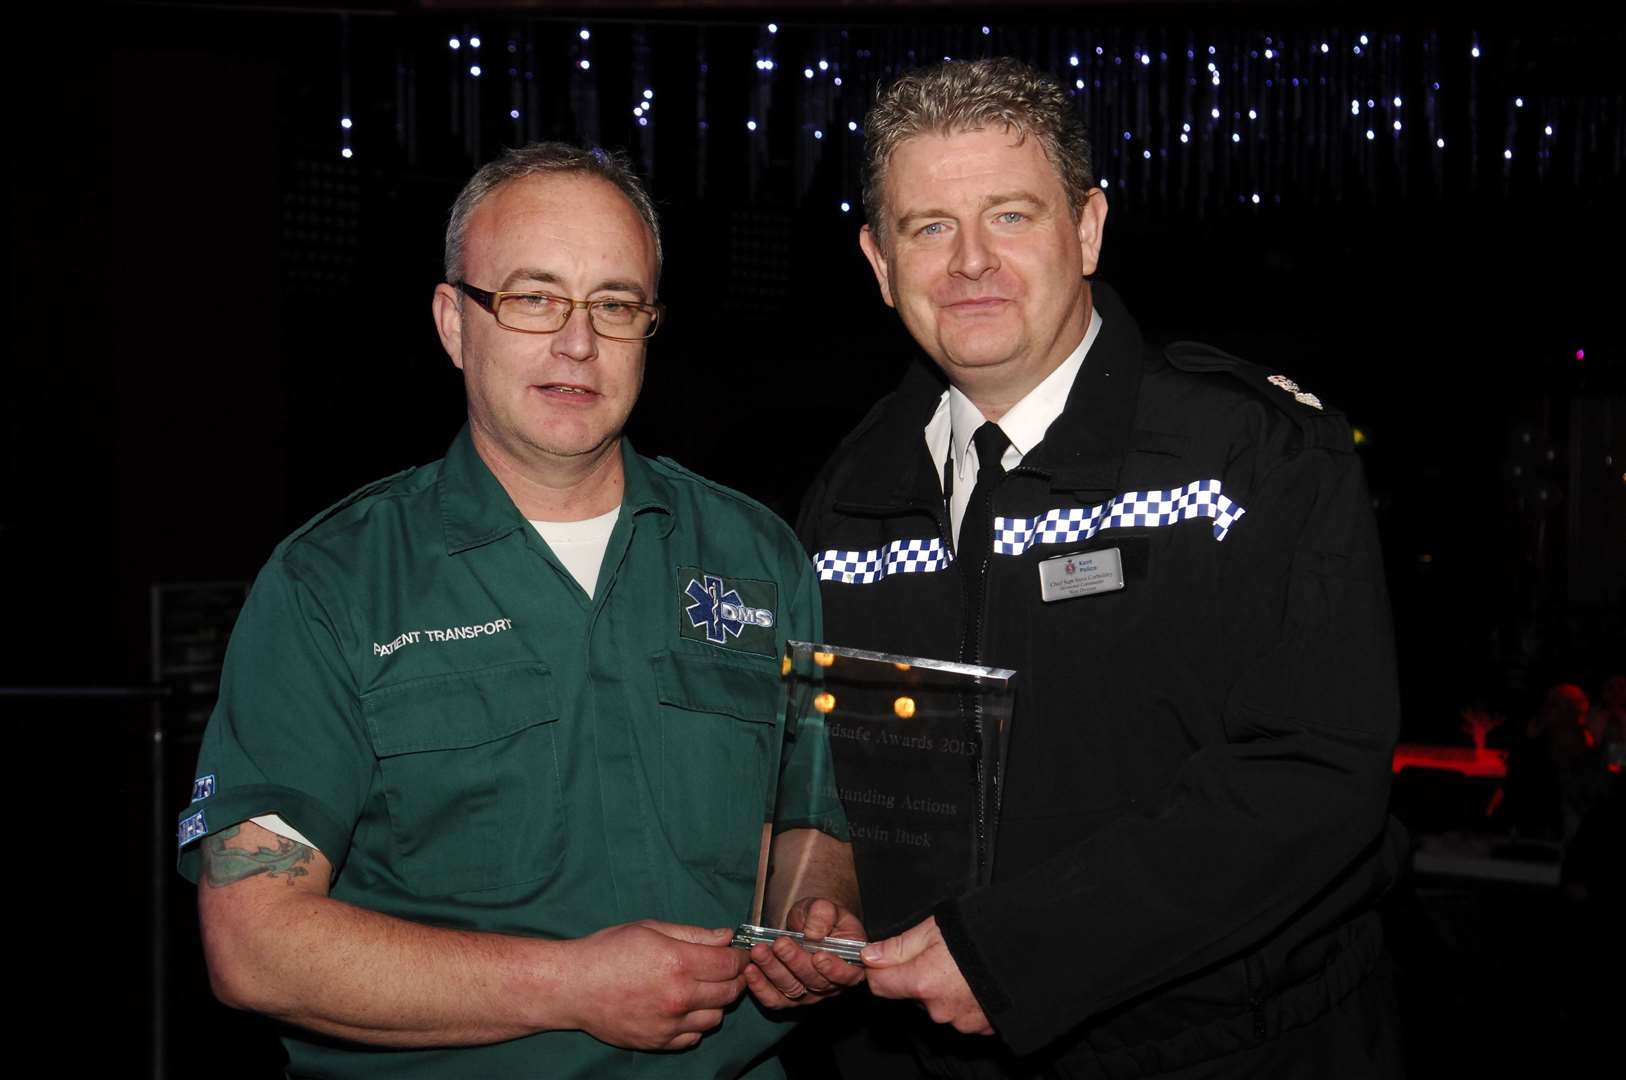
point(1064, 525)
point(868, 567)
point(1070, 525)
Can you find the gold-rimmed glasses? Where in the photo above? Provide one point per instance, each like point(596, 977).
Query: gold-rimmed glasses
point(545, 313)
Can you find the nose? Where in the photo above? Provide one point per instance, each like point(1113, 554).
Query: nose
point(973, 255)
point(576, 339)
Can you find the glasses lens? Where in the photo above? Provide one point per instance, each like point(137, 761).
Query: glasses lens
point(533, 311)
point(618, 318)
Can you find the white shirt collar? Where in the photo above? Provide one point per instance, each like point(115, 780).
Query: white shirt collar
point(1024, 424)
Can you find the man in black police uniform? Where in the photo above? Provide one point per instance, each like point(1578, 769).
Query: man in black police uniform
point(1175, 551)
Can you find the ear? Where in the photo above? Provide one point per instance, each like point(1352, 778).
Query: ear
point(1092, 221)
point(878, 263)
point(448, 322)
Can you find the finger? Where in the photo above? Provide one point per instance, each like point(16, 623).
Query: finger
point(818, 919)
point(715, 995)
point(694, 935)
point(683, 1041)
point(799, 962)
point(712, 963)
point(838, 973)
point(774, 969)
point(766, 994)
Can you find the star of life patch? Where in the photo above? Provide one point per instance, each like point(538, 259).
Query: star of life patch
point(203, 787)
point(191, 828)
point(734, 613)
point(1300, 396)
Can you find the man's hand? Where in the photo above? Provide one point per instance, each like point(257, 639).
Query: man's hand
point(652, 985)
point(784, 974)
point(917, 965)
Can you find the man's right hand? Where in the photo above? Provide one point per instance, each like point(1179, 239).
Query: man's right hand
point(653, 985)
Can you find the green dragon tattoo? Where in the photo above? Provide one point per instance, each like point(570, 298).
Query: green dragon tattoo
point(226, 866)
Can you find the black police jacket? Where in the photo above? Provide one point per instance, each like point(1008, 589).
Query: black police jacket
point(1194, 813)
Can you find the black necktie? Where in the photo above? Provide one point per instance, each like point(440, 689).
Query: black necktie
point(977, 527)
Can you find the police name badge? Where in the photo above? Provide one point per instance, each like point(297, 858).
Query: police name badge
point(1081, 574)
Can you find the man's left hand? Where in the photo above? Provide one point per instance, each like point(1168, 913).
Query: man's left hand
point(784, 974)
point(918, 965)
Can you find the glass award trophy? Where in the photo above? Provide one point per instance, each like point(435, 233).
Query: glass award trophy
point(913, 749)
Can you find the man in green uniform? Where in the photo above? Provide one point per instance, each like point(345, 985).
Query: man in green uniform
point(485, 787)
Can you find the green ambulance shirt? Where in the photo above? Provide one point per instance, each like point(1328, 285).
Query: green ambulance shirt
point(419, 687)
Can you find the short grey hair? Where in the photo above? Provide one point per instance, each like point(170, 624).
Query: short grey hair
point(520, 162)
point(972, 95)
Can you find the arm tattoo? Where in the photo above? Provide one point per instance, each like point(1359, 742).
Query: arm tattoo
point(227, 866)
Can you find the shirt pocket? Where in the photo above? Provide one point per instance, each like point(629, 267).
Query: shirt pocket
point(719, 744)
point(470, 775)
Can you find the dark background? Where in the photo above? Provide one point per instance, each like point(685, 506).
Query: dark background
point(219, 325)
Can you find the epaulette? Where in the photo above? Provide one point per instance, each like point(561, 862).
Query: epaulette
point(1322, 426)
point(344, 504)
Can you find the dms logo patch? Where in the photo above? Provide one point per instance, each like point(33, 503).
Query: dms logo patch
point(190, 829)
point(734, 613)
point(203, 787)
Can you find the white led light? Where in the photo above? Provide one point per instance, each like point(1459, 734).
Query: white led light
point(1105, 182)
point(1185, 127)
point(1548, 129)
point(852, 125)
point(513, 114)
point(1324, 46)
point(643, 121)
point(1073, 59)
point(837, 80)
point(1474, 52)
point(1078, 84)
point(1214, 114)
point(637, 110)
point(1235, 137)
point(1397, 125)
point(1370, 134)
point(649, 95)
point(584, 33)
point(1397, 102)
point(1270, 54)
point(1507, 155)
point(1146, 154)
point(773, 28)
point(986, 31)
point(1256, 198)
point(807, 73)
point(817, 134)
point(345, 123)
point(347, 152)
point(1354, 108)
point(474, 43)
point(846, 206)
point(1440, 143)
point(1145, 59)
point(824, 65)
point(1253, 114)
point(474, 69)
point(1185, 138)
point(1518, 103)
point(586, 65)
point(455, 44)
point(750, 125)
point(1364, 40)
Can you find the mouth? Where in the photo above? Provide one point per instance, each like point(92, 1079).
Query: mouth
point(976, 305)
point(567, 391)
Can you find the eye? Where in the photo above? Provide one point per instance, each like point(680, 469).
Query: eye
point(936, 228)
point(1012, 217)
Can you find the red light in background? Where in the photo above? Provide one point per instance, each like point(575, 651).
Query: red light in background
point(1484, 763)
point(1580, 354)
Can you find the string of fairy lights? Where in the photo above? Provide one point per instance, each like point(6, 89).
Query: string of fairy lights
point(1181, 117)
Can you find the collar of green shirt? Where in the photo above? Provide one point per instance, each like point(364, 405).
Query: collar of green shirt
point(476, 510)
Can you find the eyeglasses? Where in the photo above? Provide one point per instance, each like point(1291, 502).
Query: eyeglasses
point(544, 313)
